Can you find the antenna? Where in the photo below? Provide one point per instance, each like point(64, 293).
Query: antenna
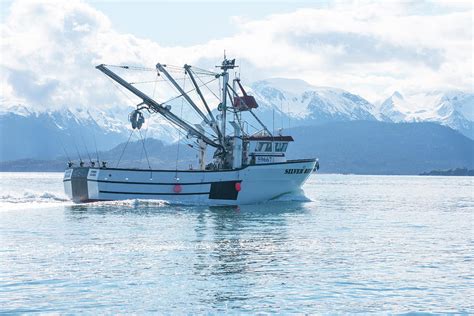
point(273, 133)
point(96, 151)
point(77, 151)
point(87, 150)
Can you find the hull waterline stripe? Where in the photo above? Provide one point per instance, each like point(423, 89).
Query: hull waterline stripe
point(157, 183)
point(152, 193)
point(153, 183)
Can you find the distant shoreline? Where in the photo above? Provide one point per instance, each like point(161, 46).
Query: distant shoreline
point(450, 172)
point(59, 165)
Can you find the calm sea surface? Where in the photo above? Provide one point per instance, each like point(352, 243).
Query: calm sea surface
point(349, 244)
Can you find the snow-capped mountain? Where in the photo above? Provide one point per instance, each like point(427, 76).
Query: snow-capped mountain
point(454, 109)
point(308, 104)
point(26, 132)
point(29, 133)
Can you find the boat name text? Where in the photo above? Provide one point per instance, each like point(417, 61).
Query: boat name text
point(297, 171)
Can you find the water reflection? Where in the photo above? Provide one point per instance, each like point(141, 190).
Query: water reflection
point(244, 241)
point(222, 247)
point(156, 207)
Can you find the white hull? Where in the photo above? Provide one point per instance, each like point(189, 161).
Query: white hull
point(258, 183)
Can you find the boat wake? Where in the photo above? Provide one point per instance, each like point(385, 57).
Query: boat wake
point(134, 203)
point(297, 196)
point(28, 197)
point(41, 199)
point(31, 199)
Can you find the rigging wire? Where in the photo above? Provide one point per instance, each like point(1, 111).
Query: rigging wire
point(144, 149)
point(118, 88)
point(147, 81)
point(174, 69)
point(131, 67)
point(204, 71)
point(187, 92)
point(182, 100)
point(167, 81)
point(151, 81)
point(64, 149)
point(143, 139)
point(281, 114)
point(205, 84)
point(154, 87)
point(96, 151)
point(77, 150)
point(87, 150)
point(124, 147)
point(179, 138)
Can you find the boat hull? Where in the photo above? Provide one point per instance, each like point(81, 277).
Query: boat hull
point(248, 185)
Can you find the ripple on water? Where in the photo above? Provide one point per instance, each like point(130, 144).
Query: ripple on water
point(349, 244)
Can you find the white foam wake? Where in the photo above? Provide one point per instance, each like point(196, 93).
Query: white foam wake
point(296, 196)
point(28, 197)
point(31, 199)
point(131, 203)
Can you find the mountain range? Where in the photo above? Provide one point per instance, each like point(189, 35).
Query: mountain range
point(362, 147)
point(283, 104)
point(304, 104)
point(454, 109)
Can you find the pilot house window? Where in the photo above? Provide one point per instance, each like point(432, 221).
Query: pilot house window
point(280, 147)
point(264, 146)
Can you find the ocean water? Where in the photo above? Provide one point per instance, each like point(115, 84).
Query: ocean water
point(349, 243)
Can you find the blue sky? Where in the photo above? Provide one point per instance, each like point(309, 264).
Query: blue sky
point(370, 48)
point(185, 22)
point(190, 22)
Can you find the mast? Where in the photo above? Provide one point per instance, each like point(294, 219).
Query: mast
point(226, 65)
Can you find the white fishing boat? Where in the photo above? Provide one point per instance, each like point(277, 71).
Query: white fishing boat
point(245, 168)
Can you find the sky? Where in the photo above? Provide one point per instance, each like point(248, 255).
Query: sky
point(48, 49)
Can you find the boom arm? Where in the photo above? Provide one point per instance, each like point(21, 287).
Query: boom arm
point(162, 69)
point(196, 86)
point(156, 107)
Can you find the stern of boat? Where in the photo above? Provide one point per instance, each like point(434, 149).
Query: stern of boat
point(76, 185)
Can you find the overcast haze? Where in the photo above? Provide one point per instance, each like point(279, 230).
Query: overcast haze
point(49, 49)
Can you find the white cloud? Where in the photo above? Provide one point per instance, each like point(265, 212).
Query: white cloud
point(369, 48)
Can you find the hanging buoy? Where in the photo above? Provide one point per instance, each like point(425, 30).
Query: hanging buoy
point(238, 186)
point(137, 119)
point(177, 188)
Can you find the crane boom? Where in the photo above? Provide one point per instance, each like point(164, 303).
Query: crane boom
point(157, 107)
point(162, 69)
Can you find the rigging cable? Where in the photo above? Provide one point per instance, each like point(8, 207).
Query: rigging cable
point(124, 147)
point(118, 88)
point(176, 97)
point(132, 67)
point(187, 92)
point(96, 151)
point(87, 150)
point(179, 137)
point(64, 149)
point(77, 150)
point(182, 100)
point(144, 149)
point(205, 84)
